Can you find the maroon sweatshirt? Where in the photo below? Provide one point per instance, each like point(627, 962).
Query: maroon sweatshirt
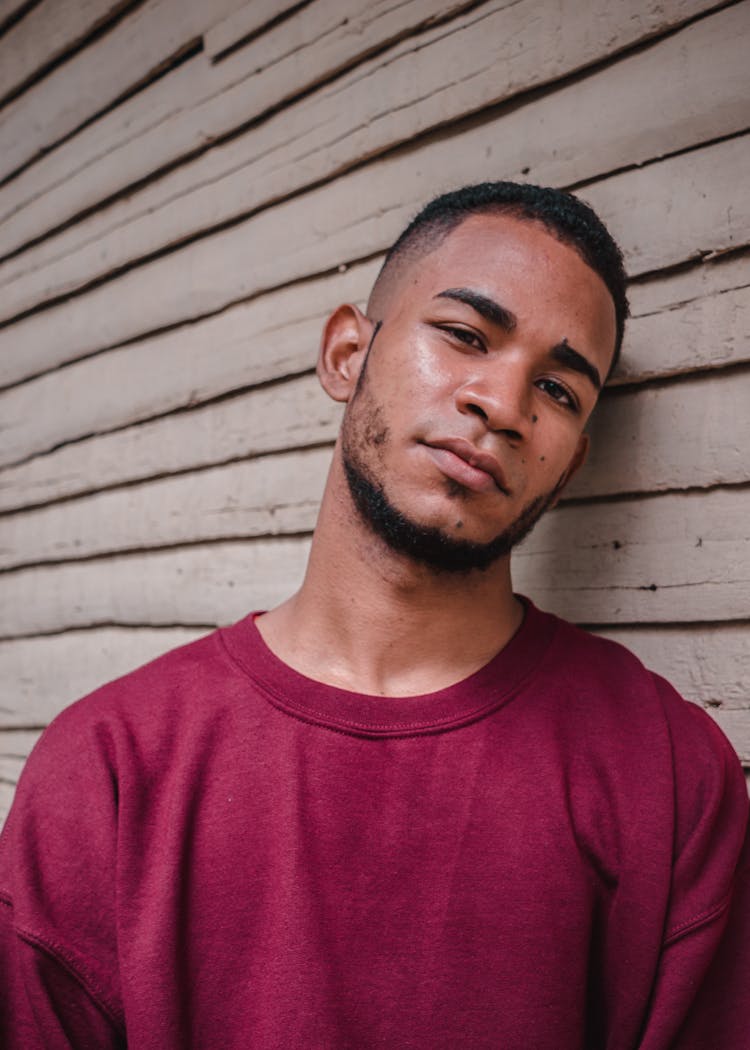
point(215, 851)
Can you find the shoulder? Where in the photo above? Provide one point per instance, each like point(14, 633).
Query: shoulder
point(608, 692)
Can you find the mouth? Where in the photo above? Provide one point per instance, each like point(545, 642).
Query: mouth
point(461, 461)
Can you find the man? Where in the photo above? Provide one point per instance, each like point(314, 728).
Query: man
point(405, 809)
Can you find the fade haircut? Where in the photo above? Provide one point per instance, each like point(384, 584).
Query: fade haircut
point(563, 215)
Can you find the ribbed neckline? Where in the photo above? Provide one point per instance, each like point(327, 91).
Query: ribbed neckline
point(362, 714)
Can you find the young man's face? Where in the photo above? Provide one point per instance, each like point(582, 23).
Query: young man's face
point(469, 419)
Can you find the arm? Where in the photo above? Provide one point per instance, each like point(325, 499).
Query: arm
point(701, 995)
point(58, 967)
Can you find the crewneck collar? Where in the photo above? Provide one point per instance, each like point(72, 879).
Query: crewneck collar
point(363, 714)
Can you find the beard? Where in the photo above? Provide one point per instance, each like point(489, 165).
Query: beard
point(428, 545)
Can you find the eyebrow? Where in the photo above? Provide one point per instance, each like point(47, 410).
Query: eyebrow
point(566, 355)
point(492, 311)
point(488, 308)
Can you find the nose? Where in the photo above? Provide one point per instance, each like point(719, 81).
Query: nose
point(501, 399)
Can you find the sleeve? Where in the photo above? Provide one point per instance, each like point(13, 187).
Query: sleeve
point(701, 994)
point(58, 958)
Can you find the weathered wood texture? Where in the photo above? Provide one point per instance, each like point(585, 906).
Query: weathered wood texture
point(51, 29)
point(333, 129)
point(182, 114)
point(136, 49)
point(674, 557)
point(305, 235)
point(198, 184)
point(681, 323)
point(280, 493)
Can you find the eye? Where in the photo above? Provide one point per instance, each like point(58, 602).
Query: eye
point(558, 393)
point(465, 336)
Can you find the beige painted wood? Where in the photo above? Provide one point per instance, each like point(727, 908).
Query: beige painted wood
point(308, 235)
point(706, 663)
point(15, 746)
point(668, 437)
point(46, 33)
point(672, 436)
point(564, 136)
point(9, 9)
point(736, 726)
point(691, 434)
point(681, 558)
point(43, 675)
point(694, 319)
point(94, 78)
point(270, 495)
point(267, 338)
point(681, 322)
point(193, 586)
point(194, 107)
point(273, 418)
point(249, 18)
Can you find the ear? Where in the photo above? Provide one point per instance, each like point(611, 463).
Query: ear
point(343, 348)
point(579, 458)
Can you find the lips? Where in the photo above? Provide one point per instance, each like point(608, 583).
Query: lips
point(468, 465)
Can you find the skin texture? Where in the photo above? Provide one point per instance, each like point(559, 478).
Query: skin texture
point(465, 424)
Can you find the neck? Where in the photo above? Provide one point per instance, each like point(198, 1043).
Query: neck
point(372, 621)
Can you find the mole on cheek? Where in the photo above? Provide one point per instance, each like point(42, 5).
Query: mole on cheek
point(541, 459)
point(534, 419)
point(459, 524)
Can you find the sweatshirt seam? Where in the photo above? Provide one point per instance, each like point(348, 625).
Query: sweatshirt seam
point(310, 715)
point(62, 957)
point(695, 922)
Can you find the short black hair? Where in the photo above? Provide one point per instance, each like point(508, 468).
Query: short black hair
point(565, 216)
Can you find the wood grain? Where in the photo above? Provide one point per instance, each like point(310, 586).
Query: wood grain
point(669, 437)
point(306, 236)
point(46, 33)
point(404, 92)
point(670, 558)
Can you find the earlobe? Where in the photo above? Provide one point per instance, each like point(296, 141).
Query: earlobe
point(343, 347)
point(579, 458)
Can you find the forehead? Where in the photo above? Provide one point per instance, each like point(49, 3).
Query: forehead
point(510, 258)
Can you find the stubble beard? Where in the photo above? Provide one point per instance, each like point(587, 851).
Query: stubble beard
point(427, 545)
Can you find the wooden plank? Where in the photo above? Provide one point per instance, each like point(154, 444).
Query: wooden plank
point(246, 21)
point(273, 418)
point(12, 10)
point(265, 339)
point(676, 558)
point(267, 496)
point(681, 558)
point(296, 414)
point(94, 79)
point(15, 746)
point(200, 586)
point(359, 214)
point(707, 663)
point(681, 322)
point(645, 440)
point(736, 726)
point(670, 437)
point(389, 100)
point(43, 675)
point(693, 319)
point(211, 101)
point(690, 320)
point(47, 32)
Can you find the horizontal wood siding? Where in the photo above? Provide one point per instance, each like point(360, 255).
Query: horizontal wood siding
point(186, 189)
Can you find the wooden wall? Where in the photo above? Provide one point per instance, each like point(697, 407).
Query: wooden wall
point(187, 187)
